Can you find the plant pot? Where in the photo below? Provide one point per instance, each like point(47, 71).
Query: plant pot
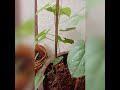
point(41, 58)
point(63, 79)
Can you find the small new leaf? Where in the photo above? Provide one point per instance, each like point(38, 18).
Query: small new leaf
point(41, 38)
point(62, 11)
point(41, 35)
point(68, 29)
point(44, 7)
point(50, 9)
point(66, 11)
point(53, 9)
point(57, 60)
point(65, 40)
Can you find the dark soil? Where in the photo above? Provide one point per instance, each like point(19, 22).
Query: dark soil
point(40, 55)
point(61, 79)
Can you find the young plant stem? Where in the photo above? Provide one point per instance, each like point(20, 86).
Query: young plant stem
point(47, 68)
point(51, 72)
point(50, 34)
point(76, 84)
point(36, 19)
point(56, 26)
point(50, 39)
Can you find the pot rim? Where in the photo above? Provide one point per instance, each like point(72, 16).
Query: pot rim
point(37, 63)
point(44, 50)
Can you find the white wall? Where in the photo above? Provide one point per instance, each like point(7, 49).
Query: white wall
point(27, 9)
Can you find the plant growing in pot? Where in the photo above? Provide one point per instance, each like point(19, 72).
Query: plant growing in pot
point(66, 69)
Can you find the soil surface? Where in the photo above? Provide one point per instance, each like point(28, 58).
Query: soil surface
point(60, 78)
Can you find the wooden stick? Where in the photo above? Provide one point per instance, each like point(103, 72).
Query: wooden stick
point(56, 26)
point(36, 19)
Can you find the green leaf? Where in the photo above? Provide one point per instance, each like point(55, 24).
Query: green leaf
point(66, 11)
point(57, 60)
point(44, 7)
point(41, 35)
point(65, 40)
point(75, 21)
point(38, 79)
point(76, 59)
point(95, 64)
point(53, 9)
point(50, 9)
point(68, 29)
point(60, 39)
point(25, 29)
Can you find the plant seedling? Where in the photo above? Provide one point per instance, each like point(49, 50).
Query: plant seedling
point(76, 62)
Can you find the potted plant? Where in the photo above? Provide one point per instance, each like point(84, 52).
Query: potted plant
point(66, 69)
